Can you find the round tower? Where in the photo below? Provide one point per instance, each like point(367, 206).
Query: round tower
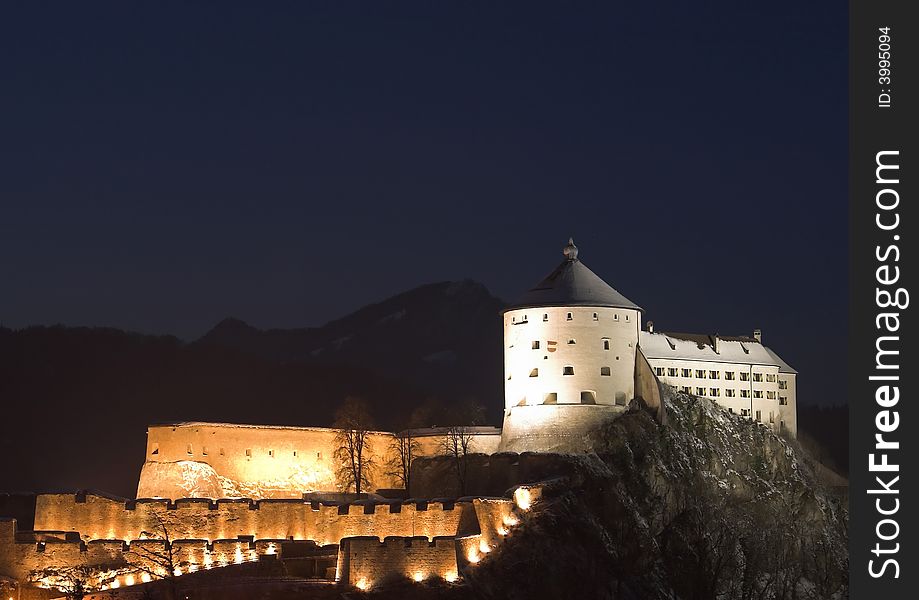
point(569, 358)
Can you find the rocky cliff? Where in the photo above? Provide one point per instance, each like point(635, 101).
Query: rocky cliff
point(709, 506)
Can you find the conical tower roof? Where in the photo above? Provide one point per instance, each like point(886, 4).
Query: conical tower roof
point(573, 284)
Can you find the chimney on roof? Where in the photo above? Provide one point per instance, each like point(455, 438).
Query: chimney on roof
point(650, 326)
point(715, 345)
point(758, 335)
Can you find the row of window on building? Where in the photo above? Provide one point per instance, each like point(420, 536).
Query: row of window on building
point(714, 374)
point(587, 397)
point(552, 345)
point(568, 317)
point(567, 370)
point(732, 393)
point(205, 451)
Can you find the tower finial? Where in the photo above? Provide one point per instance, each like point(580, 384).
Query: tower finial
point(570, 251)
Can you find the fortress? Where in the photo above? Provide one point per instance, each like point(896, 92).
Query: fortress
point(217, 494)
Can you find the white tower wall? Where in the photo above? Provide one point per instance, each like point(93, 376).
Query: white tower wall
point(570, 355)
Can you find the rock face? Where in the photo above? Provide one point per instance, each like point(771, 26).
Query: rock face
point(184, 479)
point(710, 506)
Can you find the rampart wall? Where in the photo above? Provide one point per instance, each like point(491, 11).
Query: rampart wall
point(216, 460)
point(117, 538)
point(100, 517)
point(366, 561)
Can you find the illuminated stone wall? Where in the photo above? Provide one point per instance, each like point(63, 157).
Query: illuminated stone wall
point(214, 460)
point(248, 460)
point(418, 541)
point(99, 517)
point(366, 561)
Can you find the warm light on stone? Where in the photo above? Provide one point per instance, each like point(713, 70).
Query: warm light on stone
point(523, 498)
point(361, 584)
point(419, 576)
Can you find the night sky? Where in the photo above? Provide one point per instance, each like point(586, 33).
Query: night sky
point(164, 167)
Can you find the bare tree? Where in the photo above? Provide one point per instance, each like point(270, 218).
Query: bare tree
point(403, 450)
point(74, 582)
point(405, 447)
point(161, 562)
point(457, 440)
point(353, 453)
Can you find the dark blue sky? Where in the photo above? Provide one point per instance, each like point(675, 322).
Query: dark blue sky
point(167, 166)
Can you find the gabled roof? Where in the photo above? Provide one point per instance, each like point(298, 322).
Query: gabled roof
point(573, 284)
point(693, 346)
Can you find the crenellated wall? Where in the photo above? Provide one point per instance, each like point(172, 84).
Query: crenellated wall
point(418, 540)
point(365, 561)
point(100, 517)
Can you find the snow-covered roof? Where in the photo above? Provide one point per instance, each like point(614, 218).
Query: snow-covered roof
point(573, 284)
point(438, 431)
point(691, 346)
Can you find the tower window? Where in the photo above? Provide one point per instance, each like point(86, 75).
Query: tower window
point(535, 345)
point(616, 317)
point(588, 397)
point(156, 448)
point(572, 342)
point(248, 452)
point(627, 318)
point(596, 317)
point(295, 453)
point(700, 391)
point(569, 370)
point(545, 316)
point(604, 371)
point(271, 453)
point(570, 317)
point(606, 344)
point(204, 451)
point(534, 373)
point(550, 398)
point(188, 449)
